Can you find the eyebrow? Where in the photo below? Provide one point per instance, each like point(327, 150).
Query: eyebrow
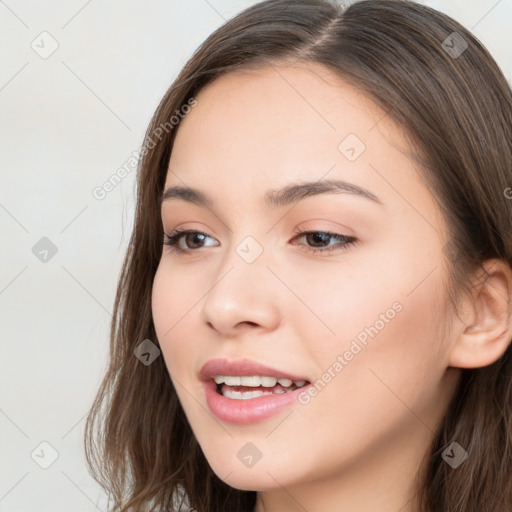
point(289, 194)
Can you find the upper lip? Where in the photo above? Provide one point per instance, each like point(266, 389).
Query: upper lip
point(242, 367)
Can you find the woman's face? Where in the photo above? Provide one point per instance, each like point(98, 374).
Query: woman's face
point(360, 320)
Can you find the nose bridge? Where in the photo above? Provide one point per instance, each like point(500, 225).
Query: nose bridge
point(242, 272)
point(241, 291)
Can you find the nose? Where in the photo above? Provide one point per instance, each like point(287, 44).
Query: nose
point(242, 296)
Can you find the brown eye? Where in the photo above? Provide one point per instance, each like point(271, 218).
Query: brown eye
point(192, 239)
point(318, 238)
point(318, 241)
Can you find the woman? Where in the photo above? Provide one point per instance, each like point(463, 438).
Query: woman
point(314, 312)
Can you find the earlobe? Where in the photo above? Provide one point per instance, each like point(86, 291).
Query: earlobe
point(488, 320)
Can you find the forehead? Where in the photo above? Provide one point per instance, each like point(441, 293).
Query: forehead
point(263, 128)
point(292, 115)
point(306, 98)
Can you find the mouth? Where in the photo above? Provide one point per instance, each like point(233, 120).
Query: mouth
point(245, 391)
point(254, 386)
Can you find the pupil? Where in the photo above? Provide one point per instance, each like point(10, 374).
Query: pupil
point(194, 236)
point(322, 236)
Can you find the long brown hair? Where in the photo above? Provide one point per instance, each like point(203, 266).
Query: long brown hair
point(453, 102)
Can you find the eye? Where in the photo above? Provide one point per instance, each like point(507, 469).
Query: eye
point(173, 240)
point(322, 238)
point(315, 237)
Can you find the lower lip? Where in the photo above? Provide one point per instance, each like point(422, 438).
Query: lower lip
point(250, 410)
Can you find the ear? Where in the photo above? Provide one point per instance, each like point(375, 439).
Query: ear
point(487, 319)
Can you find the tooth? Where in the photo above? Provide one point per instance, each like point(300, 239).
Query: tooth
point(244, 395)
point(255, 381)
point(237, 395)
point(252, 382)
point(279, 390)
point(268, 382)
point(233, 381)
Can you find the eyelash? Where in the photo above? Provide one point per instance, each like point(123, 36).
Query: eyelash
point(172, 240)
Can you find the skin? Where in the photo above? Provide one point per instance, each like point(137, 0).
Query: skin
point(359, 442)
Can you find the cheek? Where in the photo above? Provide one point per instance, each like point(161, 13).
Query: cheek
point(339, 303)
point(380, 389)
point(379, 319)
point(172, 304)
point(386, 360)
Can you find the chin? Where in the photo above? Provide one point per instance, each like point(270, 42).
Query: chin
point(260, 477)
point(248, 481)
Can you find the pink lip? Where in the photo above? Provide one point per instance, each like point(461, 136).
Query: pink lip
point(245, 411)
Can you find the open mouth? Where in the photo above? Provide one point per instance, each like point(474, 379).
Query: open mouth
point(248, 387)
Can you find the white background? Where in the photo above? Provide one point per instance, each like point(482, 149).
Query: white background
point(67, 123)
